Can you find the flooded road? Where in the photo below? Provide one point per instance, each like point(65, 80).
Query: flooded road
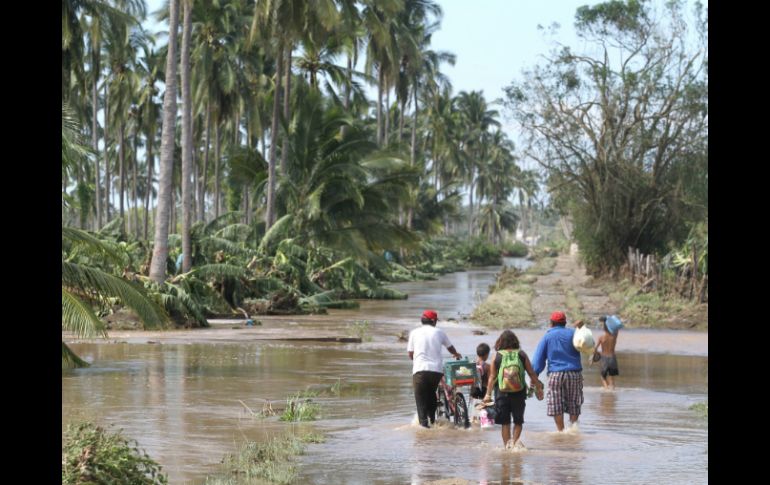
point(186, 402)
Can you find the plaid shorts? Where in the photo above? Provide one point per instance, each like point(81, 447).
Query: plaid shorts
point(565, 392)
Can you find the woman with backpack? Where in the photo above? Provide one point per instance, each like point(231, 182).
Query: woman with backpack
point(506, 377)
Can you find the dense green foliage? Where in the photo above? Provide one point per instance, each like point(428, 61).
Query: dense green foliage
point(90, 454)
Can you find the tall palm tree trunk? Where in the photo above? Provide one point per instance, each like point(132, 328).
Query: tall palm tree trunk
point(95, 143)
point(194, 174)
point(148, 190)
point(470, 205)
point(187, 145)
point(79, 180)
point(216, 168)
point(387, 114)
point(286, 110)
point(270, 213)
point(202, 190)
point(134, 189)
point(412, 151)
point(160, 249)
point(379, 106)
point(107, 174)
point(172, 225)
point(122, 175)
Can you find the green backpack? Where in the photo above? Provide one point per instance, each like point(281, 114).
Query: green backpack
point(510, 376)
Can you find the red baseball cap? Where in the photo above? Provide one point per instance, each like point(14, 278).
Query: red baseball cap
point(430, 314)
point(558, 317)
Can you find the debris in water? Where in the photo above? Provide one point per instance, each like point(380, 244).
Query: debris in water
point(479, 332)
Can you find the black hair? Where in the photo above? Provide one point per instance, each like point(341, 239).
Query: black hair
point(427, 321)
point(482, 350)
point(507, 340)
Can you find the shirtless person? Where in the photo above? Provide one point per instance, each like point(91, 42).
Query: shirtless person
point(609, 361)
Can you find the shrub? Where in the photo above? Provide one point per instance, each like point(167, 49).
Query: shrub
point(92, 455)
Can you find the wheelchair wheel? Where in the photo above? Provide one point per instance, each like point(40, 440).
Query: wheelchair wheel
point(446, 411)
point(461, 411)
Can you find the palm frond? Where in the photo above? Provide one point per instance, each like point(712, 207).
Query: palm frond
point(278, 232)
point(88, 279)
point(222, 221)
point(180, 301)
point(79, 318)
point(78, 236)
point(234, 232)
point(70, 360)
point(220, 271)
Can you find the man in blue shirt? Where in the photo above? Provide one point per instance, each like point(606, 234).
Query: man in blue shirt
point(565, 373)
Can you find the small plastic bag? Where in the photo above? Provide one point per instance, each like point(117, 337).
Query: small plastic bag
point(583, 340)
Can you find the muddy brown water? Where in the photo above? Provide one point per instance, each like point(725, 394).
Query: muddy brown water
point(181, 401)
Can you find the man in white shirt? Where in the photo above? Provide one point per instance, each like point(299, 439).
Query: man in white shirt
point(424, 349)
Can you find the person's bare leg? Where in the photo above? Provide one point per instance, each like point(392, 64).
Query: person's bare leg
point(517, 432)
point(573, 418)
point(506, 434)
point(559, 419)
point(611, 381)
point(604, 383)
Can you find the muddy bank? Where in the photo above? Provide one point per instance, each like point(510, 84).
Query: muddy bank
point(527, 300)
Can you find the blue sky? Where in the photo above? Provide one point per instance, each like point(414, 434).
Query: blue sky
point(495, 39)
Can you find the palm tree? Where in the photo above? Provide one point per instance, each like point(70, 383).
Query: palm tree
point(527, 188)
point(122, 46)
point(496, 181)
point(149, 112)
point(187, 143)
point(339, 193)
point(477, 119)
point(72, 31)
point(83, 283)
point(160, 249)
point(379, 23)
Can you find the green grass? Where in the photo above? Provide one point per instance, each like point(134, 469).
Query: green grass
point(515, 249)
point(543, 266)
point(702, 408)
point(273, 461)
point(298, 409)
point(509, 303)
point(361, 330)
point(651, 310)
point(574, 305)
